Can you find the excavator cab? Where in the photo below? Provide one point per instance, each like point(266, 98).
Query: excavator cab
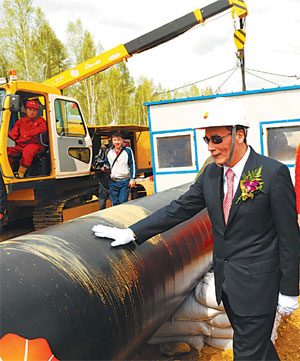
point(59, 179)
point(40, 165)
point(67, 147)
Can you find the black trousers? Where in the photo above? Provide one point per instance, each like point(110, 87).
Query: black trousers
point(103, 193)
point(252, 335)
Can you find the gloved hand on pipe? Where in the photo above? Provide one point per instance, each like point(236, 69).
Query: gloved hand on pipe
point(120, 236)
point(287, 304)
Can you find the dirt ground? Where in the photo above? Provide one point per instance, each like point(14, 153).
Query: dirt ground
point(287, 346)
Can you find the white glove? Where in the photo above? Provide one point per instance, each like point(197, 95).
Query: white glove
point(287, 304)
point(120, 236)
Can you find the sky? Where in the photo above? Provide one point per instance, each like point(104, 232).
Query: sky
point(272, 40)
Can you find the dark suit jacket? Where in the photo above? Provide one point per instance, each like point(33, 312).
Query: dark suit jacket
point(3, 195)
point(257, 252)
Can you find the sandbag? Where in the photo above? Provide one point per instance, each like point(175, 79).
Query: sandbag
point(205, 292)
point(219, 343)
point(219, 332)
point(196, 342)
point(221, 320)
point(187, 328)
point(277, 321)
point(192, 310)
point(199, 318)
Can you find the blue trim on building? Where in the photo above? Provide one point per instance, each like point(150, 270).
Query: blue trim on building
point(156, 173)
point(294, 87)
point(261, 138)
point(173, 131)
point(152, 149)
point(281, 121)
point(257, 91)
point(177, 172)
point(196, 151)
point(261, 124)
point(149, 119)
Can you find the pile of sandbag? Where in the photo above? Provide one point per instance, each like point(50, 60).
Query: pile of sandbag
point(198, 320)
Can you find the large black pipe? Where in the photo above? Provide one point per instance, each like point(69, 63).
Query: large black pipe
point(91, 301)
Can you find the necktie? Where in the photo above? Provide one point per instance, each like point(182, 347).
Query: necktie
point(229, 195)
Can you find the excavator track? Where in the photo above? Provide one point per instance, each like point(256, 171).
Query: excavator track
point(46, 215)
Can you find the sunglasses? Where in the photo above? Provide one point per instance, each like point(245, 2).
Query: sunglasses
point(215, 139)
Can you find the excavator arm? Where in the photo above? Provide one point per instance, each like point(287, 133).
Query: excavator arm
point(147, 41)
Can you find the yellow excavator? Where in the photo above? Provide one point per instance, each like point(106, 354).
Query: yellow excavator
point(60, 183)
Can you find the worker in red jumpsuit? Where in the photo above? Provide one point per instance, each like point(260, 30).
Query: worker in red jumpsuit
point(26, 134)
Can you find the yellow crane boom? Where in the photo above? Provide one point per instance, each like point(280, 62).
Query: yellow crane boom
point(147, 41)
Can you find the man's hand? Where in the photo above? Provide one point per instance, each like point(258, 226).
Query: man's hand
point(287, 304)
point(105, 168)
point(120, 236)
point(132, 183)
point(299, 220)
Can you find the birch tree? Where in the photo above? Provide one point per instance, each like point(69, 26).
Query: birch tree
point(144, 93)
point(28, 44)
point(81, 47)
point(17, 20)
point(117, 91)
point(50, 53)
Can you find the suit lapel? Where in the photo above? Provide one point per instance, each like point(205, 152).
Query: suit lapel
point(249, 166)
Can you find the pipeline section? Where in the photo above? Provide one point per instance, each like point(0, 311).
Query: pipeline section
point(89, 301)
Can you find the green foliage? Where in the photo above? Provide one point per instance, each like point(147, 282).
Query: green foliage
point(48, 49)
point(143, 94)
point(81, 47)
point(16, 25)
point(117, 90)
point(29, 44)
point(190, 91)
point(254, 175)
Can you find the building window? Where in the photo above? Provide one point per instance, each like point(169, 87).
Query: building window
point(282, 143)
point(175, 151)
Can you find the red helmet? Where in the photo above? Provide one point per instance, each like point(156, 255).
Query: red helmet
point(32, 104)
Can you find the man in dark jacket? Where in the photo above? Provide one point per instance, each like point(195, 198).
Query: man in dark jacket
point(297, 181)
point(3, 198)
point(103, 176)
point(251, 203)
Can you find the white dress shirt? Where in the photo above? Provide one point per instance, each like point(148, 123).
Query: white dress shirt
point(238, 170)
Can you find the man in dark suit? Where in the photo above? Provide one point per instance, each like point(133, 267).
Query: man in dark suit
point(251, 203)
point(3, 200)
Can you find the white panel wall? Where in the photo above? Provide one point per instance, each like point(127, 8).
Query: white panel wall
point(260, 106)
point(167, 181)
